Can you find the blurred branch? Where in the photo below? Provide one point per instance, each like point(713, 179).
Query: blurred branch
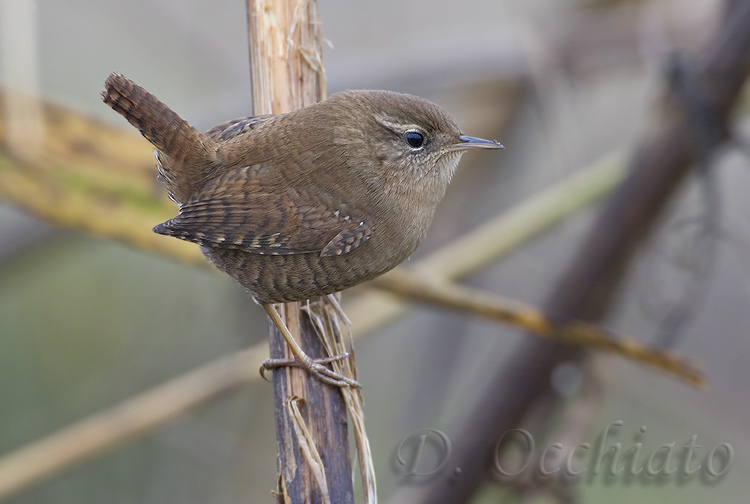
point(90, 176)
point(492, 306)
point(657, 168)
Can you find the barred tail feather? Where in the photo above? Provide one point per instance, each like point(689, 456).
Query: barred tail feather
point(186, 155)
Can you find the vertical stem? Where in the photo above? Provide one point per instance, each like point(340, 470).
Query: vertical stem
point(286, 58)
point(287, 74)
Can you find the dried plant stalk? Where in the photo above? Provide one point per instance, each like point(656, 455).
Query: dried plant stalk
point(311, 418)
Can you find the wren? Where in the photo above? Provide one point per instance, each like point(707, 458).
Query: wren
point(307, 203)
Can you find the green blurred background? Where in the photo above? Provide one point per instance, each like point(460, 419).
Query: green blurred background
point(86, 323)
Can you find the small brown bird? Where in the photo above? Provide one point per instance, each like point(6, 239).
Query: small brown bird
point(308, 203)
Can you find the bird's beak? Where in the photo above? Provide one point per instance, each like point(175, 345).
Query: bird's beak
point(467, 142)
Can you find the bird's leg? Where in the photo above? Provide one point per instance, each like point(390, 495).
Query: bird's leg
point(313, 366)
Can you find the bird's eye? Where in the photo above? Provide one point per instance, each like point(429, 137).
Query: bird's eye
point(415, 139)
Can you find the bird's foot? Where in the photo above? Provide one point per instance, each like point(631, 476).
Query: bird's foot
point(316, 368)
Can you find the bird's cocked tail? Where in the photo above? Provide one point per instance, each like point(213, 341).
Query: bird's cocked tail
point(185, 155)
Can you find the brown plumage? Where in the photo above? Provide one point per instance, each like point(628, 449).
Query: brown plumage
point(308, 203)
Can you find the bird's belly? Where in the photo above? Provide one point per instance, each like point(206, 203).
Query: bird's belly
point(296, 277)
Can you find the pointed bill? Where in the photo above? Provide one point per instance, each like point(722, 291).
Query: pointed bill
point(467, 142)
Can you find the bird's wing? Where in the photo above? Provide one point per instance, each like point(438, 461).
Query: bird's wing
point(232, 129)
point(238, 210)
